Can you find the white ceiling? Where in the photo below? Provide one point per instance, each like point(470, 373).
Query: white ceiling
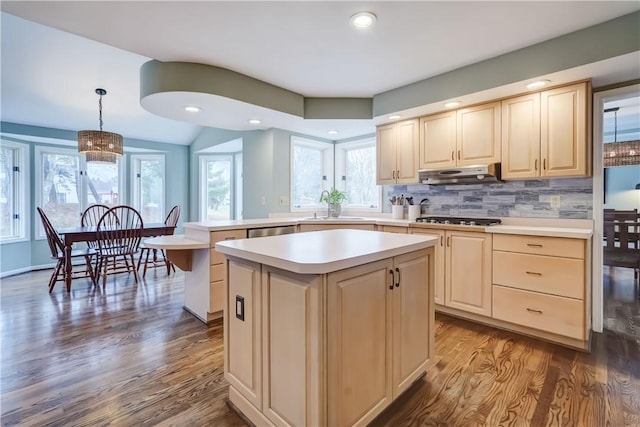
point(49, 76)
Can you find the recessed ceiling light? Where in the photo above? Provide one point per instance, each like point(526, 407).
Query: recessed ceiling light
point(192, 108)
point(333, 132)
point(452, 104)
point(538, 83)
point(394, 116)
point(363, 19)
point(254, 121)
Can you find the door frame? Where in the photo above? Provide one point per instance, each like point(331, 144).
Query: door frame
point(599, 98)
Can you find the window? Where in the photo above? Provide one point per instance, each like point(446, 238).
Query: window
point(148, 187)
point(221, 187)
point(311, 172)
point(66, 185)
point(356, 174)
point(13, 192)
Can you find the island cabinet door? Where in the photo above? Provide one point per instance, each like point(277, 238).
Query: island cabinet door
point(412, 317)
point(243, 330)
point(439, 263)
point(292, 352)
point(359, 305)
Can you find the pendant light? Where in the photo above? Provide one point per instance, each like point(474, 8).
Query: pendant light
point(100, 146)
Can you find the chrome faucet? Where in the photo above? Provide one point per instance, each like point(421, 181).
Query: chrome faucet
point(328, 204)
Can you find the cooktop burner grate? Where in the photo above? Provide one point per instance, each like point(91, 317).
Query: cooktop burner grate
point(458, 220)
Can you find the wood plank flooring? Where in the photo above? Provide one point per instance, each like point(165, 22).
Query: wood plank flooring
point(130, 355)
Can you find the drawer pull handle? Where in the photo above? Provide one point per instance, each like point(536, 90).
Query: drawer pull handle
point(229, 238)
point(398, 282)
point(534, 273)
point(534, 245)
point(393, 279)
point(531, 310)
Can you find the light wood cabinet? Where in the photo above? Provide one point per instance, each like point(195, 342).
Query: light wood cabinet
point(468, 272)
point(393, 229)
point(546, 134)
point(397, 153)
point(438, 141)
point(378, 335)
point(332, 226)
point(216, 269)
point(462, 269)
point(542, 283)
point(469, 136)
point(478, 134)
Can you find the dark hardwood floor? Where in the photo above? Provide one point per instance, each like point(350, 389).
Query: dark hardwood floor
point(130, 355)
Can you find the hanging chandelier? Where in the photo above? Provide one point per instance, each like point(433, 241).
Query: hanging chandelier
point(100, 146)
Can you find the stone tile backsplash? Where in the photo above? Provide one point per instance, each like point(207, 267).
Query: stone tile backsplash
point(521, 199)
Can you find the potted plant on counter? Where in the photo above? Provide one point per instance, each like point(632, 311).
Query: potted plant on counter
point(334, 199)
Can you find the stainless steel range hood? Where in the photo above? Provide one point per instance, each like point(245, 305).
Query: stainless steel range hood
point(461, 175)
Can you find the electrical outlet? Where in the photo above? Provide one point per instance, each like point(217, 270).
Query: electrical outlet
point(555, 202)
point(284, 200)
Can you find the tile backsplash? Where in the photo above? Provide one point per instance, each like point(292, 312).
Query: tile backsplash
point(520, 199)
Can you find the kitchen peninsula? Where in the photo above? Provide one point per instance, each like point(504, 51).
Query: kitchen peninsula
point(326, 327)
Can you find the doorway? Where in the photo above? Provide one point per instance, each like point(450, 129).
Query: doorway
point(616, 165)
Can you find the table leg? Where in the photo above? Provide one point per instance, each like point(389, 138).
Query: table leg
point(68, 267)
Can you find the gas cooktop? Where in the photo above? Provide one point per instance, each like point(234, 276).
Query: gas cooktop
point(458, 220)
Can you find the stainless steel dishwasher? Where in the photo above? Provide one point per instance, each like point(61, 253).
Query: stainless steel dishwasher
point(270, 231)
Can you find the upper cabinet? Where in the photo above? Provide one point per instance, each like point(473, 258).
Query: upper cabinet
point(397, 153)
point(546, 134)
point(468, 136)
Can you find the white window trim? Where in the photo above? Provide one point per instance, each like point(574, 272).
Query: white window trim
point(43, 149)
point(135, 184)
point(235, 186)
point(328, 169)
point(340, 171)
point(22, 194)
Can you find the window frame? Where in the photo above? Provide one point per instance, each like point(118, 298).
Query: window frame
point(328, 153)
point(21, 197)
point(341, 150)
point(135, 181)
point(39, 233)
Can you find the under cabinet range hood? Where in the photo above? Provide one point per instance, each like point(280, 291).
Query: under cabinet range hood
point(461, 175)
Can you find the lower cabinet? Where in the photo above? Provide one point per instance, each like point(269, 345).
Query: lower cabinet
point(320, 227)
point(462, 269)
point(333, 349)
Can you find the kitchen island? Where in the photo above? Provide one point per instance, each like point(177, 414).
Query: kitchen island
point(326, 327)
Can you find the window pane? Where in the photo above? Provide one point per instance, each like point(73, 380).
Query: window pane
point(218, 189)
point(60, 192)
point(151, 190)
point(102, 184)
point(306, 176)
point(360, 178)
point(7, 193)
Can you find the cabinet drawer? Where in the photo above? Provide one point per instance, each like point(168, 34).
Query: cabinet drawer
point(216, 296)
point(558, 315)
point(538, 245)
point(217, 236)
point(550, 275)
point(216, 272)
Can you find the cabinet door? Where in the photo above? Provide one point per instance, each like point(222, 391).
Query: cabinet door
point(438, 141)
point(468, 275)
point(521, 137)
point(565, 143)
point(291, 348)
point(359, 343)
point(386, 154)
point(243, 330)
point(412, 317)
point(439, 263)
point(478, 136)
point(407, 135)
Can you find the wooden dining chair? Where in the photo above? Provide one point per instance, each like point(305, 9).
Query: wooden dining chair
point(145, 252)
point(622, 245)
point(119, 232)
point(56, 245)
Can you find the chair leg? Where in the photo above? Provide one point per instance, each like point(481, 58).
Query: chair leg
point(142, 252)
point(146, 264)
point(135, 271)
point(104, 273)
point(54, 276)
point(166, 262)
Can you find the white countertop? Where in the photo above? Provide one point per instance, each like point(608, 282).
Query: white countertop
point(320, 252)
point(552, 227)
point(177, 241)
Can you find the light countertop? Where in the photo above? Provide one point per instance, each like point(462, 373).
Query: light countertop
point(177, 241)
point(320, 252)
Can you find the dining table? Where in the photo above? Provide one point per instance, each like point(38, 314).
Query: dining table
point(71, 235)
